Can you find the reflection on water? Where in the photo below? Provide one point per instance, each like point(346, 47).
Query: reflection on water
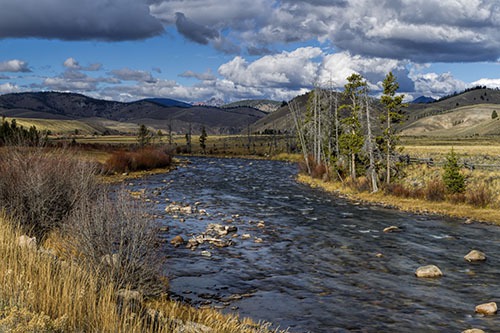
point(323, 265)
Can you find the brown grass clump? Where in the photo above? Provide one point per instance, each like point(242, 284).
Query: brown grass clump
point(435, 190)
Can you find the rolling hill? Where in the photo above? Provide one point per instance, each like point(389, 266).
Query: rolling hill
point(460, 115)
point(107, 115)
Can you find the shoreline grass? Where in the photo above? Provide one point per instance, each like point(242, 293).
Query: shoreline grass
point(419, 206)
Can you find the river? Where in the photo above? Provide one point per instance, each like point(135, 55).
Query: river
point(316, 263)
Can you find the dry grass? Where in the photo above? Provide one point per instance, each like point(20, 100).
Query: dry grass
point(466, 211)
point(41, 293)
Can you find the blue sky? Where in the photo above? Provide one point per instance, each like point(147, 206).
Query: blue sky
point(198, 49)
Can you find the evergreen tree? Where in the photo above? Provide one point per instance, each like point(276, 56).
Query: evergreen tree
point(393, 105)
point(351, 140)
point(453, 179)
point(143, 136)
point(494, 114)
point(203, 139)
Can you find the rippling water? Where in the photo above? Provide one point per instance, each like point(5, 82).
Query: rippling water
point(319, 268)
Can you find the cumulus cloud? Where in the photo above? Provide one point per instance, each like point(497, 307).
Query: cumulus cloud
point(287, 69)
point(437, 85)
point(72, 63)
point(127, 74)
point(8, 88)
point(490, 83)
point(14, 66)
point(111, 20)
point(207, 76)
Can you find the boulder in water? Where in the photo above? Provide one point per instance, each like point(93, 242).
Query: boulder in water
point(429, 271)
point(177, 240)
point(487, 309)
point(475, 255)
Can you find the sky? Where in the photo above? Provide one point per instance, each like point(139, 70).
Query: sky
point(194, 50)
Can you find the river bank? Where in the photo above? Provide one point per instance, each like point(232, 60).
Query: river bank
point(419, 206)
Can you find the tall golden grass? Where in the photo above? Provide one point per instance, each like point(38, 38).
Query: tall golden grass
point(41, 293)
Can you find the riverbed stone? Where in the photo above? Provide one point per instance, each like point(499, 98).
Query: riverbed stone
point(392, 228)
point(429, 271)
point(177, 240)
point(473, 330)
point(206, 253)
point(487, 309)
point(474, 256)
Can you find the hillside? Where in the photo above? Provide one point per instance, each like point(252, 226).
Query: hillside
point(464, 114)
point(98, 113)
point(261, 104)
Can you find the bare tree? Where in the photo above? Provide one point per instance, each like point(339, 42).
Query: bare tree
point(299, 126)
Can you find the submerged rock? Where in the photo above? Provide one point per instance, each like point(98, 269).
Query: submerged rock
point(177, 240)
point(473, 330)
point(487, 309)
point(392, 228)
point(429, 271)
point(475, 255)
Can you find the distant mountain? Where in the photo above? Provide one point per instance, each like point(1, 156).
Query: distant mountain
point(261, 104)
point(69, 106)
point(214, 101)
point(168, 102)
point(423, 100)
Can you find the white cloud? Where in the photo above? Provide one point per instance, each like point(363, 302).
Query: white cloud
point(14, 66)
point(287, 69)
point(490, 83)
point(127, 74)
point(72, 63)
point(8, 88)
point(437, 85)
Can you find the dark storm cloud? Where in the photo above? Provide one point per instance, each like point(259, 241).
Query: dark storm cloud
point(111, 20)
point(194, 31)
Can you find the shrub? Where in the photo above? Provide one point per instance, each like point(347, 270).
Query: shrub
point(435, 190)
point(117, 240)
point(40, 188)
point(398, 190)
point(480, 196)
point(143, 159)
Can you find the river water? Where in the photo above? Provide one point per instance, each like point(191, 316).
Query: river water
point(317, 263)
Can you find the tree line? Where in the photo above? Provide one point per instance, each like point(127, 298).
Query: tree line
point(344, 134)
point(14, 134)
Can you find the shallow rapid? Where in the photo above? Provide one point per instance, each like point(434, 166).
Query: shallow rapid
point(317, 263)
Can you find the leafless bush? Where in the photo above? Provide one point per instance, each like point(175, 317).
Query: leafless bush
point(117, 239)
point(435, 190)
point(479, 196)
point(40, 187)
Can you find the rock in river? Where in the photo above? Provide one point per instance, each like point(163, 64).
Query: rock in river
point(177, 240)
point(487, 308)
point(473, 330)
point(475, 255)
point(429, 271)
point(392, 228)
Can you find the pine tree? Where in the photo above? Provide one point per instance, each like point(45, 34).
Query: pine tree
point(393, 105)
point(351, 140)
point(203, 139)
point(143, 136)
point(453, 179)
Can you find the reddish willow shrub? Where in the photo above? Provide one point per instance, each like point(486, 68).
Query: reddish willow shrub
point(143, 159)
